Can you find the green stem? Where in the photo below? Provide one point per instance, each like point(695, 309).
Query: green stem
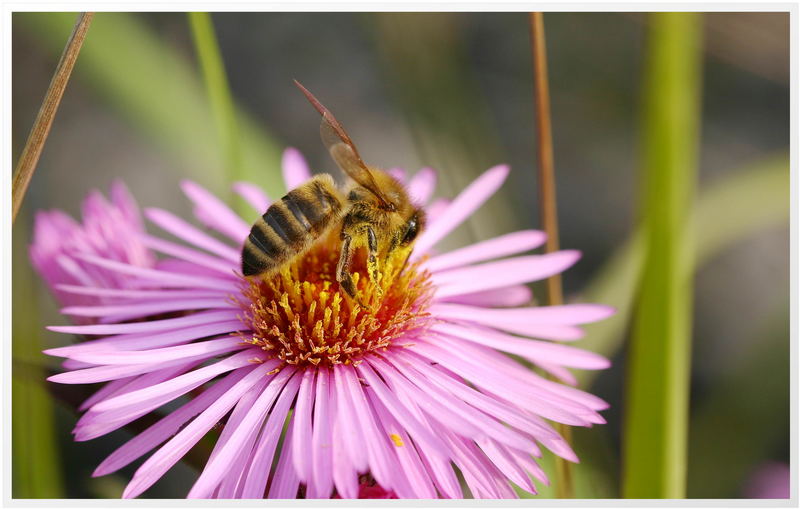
point(656, 420)
point(219, 93)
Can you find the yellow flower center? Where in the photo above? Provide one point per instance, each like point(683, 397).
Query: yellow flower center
point(301, 316)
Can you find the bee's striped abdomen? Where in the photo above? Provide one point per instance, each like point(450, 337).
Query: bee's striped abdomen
point(290, 225)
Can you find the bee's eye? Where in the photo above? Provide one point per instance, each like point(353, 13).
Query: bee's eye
point(412, 229)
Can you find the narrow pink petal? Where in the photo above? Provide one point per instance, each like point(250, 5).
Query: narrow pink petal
point(584, 403)
point(476, 469)
point(321, 484)
point(228, 450)
point(163, 278)
point(285, 481)
point(533, 468)
point(498, 384)
point(509, 414)
point(255, 480)
point(157, 395)
point(497, 318)
point(150, 308)
point(91, 426)
point(171, 452)
point(559, 372)
point(435, 210)
point(121, 293)
point(302, 427)
point(207, 348)
point(462, 207)
point(506, 463)
point(253, 195)
point(509, 296)
point(485, 425)
point(220, 265)
point(569, 314)
point(183, 230)
point(349, 427)
point(213, 212)
point(165, 324)
point(437, 465)
point(146, 341)
point(531, 349)
point(295, 168)
point(418, 432)
point(105, 392)
point(421, 186)
point(124, 201)
point(418, 479)
point(504, 245)
point(106, 373)
point(379, 463)
point(522, 269)
point(167, 426)
point(345, 477)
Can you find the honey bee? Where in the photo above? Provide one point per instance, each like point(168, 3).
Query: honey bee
point(373, 211)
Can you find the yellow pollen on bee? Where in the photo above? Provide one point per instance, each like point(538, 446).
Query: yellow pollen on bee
point(300, 316)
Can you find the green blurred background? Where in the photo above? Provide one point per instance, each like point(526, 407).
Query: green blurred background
point(453, 91)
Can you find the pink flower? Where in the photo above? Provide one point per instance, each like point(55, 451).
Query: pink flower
point(772, 479)
point(399, 393)
point(110, 230)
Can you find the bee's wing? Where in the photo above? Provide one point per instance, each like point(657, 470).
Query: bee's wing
point(342, 148)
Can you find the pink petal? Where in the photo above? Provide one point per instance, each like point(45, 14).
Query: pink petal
point(295, 168)
point(183, 230)
point(349, 427)
point(122, 293)
point(418, 433)
point(91, 426)
point(157, 395)
point(421, 186)
point(418, 479)
point(533, 350)
point(462, 207)
point(509, 296)
point(149, 308)
point(229, 450)
point(148, 439)
point(498, 274)
point(253, 195)
point(223, 266)
point(146, 341)
point(106, 391)
point(255, 480)
point(507, 464)
point(106, 373)
point(514, 322)
point(285, 481)
point(169, 454)
point(120, 357)
point(399, 174)
point(163, 278)
point(213, 212)
point(321, 484)
point(485, 425)
point(149, 326)
point(504, 245)
point(302, 427)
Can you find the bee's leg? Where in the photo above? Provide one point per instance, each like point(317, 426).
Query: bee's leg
point(372, 259)
point(343, 267)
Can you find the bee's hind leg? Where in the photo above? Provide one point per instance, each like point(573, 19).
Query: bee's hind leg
point(372, 260)
point(343, 275)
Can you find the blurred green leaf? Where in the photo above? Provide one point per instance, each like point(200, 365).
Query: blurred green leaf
point(727, 212)
point(219, 94)
point(157, 90)
point(35, 455)
point(657, 389)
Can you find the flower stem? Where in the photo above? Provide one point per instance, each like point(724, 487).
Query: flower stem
point(47, 112)
point(547, 204)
